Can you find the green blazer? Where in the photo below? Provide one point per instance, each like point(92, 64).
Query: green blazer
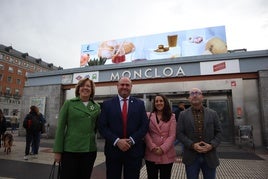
point(76, 130)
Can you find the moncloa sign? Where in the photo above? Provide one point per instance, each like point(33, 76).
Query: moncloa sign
point(148, 73)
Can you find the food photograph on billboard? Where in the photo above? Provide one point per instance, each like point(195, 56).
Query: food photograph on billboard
point(210, 40)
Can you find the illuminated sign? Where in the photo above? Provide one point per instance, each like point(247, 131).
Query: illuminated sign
point(210, 40)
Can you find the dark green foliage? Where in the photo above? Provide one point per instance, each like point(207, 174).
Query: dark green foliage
point(97, 61)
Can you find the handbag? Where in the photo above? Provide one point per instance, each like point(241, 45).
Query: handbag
point(53, 171)
point(43, 129)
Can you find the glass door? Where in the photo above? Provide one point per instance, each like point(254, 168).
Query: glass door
point(223, 108)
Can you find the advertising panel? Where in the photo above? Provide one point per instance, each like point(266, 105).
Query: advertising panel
point(210, 40)
point(219, 67)
point(39, 102)
point(94, 76)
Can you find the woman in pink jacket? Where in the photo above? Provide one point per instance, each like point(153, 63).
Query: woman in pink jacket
point(160, 151)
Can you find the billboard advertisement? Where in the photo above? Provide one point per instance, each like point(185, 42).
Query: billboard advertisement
point(210, 40)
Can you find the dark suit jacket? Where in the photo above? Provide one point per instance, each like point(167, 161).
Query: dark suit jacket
point(177, 113)
point(212, 135)
point(111, 127)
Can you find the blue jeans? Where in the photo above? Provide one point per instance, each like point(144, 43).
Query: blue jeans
point(192, 171)
point(13, 127)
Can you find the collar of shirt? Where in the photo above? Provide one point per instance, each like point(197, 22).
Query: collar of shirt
point(121, 99)
point(200, 110)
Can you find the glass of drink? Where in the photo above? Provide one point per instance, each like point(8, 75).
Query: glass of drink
point(119, 54)
point(172, 40)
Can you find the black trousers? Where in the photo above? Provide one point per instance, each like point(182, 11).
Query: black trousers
point(31, 138)
point(77, 165)
point(124, 166)
point(153, 170)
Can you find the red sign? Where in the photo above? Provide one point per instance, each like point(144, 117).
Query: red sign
point(233, 83)
point(219, 66)
point(239, 111)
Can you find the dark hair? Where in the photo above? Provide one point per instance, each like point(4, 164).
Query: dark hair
point(166, 115)
point(34, 109)
point(82, 83)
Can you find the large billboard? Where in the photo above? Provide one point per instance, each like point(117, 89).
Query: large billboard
point(210, 40)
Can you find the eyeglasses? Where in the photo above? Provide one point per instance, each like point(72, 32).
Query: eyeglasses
point(195, 93)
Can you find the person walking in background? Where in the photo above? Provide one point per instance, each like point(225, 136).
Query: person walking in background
point(75, 142)
point(200, 132)
point(35, 147)
point(177, 143)
point(181, 107)
point(3, 126)
point(13, 122)
point(32, 123)
point(160, 151)
point(123, 123)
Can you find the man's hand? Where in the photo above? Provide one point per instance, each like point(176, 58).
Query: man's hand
point(202, 147)
point(124, 144)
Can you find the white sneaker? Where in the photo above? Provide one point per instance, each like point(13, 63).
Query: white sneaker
point(35, 156)
point(26, 157)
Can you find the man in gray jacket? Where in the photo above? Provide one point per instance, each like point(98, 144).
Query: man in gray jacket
point(199, 130)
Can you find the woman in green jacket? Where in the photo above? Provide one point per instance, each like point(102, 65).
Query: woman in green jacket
point(75, 142)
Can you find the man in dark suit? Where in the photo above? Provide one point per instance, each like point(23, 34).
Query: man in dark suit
point(124, 146)
point(200, 132)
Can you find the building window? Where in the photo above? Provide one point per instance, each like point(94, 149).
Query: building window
point(1, 67)
point(8, 91)
point(11, 60)
point(1, 56)
point(5, 111)
point(1, 76)
point(9, 79)
point(19, 72)
point(17, 92)
point(10, 69)
point(18, 81)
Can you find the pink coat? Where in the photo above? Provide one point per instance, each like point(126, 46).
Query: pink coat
point(161, 135)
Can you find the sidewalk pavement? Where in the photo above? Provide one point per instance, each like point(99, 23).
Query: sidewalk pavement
point(229, 168)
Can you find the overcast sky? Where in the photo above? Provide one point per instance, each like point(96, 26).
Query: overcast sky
point(54, 30)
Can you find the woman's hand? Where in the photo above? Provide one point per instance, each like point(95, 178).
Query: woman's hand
point(57, 157)
point(158, 151)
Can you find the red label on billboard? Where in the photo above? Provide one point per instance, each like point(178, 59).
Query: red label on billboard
point(219, 66)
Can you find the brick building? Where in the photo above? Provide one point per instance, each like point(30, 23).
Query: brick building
point(14, 67)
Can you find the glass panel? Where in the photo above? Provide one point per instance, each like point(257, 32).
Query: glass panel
point(222, 108)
